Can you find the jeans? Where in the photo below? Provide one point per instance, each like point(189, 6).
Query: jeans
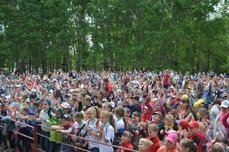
point(44, 142)
point(54, 147)
point(65, 148)
point(25, 141)
point(94, 149)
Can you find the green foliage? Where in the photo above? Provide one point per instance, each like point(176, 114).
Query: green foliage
point(131, 34)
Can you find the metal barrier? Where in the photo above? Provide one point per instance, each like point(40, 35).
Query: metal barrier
point(33, 138)
point(79, 148)
point(36, 148)
point(1, 149)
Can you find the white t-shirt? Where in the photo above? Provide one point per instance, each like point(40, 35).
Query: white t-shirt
point(119, 123)
point(108, 130)
point(77, 128)
point(92, 124)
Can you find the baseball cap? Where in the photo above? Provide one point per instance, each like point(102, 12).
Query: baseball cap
point(67, 116)
point(184, 124)
point(158, 113)
point(193, 124)
point(65, 105)
point(224, 104)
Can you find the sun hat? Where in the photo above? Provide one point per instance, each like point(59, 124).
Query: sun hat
point(171, 136)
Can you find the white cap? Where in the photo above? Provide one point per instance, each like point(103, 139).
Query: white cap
point(225, 104)
point(33, 91)
point(65, 105)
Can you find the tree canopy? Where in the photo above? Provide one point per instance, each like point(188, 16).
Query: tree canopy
point(184, 35)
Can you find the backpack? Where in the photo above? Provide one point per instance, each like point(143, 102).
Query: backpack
point(96, 124)
point(117, 138)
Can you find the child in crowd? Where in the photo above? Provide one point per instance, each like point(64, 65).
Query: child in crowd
point(144, 145)
point(23, 129)
point(119, 120)
point(93, 127)
point(126, 141)
point(153, 130)
point(169, 125)
point(80, 129)
point(106, 131)
point(138, 133)
point(187, 145)
point(55, 137)
point(171, 139)
point(44, 115)
point(65, 128)
point(157, 119)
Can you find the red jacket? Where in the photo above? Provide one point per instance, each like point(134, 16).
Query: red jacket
point(126, 145)
point(156, 144)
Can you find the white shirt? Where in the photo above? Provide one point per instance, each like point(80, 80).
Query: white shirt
point(92, 125)
point(77, 127)
point(44, 114)
point(108, 130)
point(214, 112)
point(119, 123)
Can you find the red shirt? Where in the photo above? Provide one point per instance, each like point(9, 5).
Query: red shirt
point(156, 144)
point(109, 88)
point(166, 79)
point(126, 145)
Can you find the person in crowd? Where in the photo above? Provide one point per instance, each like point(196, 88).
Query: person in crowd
point(156, 109)
point(187, 145)
point(107, 131)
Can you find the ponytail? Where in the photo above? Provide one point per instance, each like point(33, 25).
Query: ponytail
point(97, 112)
point(111, 120)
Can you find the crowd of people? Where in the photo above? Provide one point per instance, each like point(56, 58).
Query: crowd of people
point(136, 110)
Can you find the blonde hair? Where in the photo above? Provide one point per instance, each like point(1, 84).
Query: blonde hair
point(169, 117)
point(153, 127)
point(110, 116)
point(143, 125)
point(146, 142)
point(95, 110)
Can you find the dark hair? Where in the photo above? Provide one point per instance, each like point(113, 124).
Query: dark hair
point(79, 115)
point(217, 101)
point(120, 112)
point(204, 110)
point(58, 95)
point(80, 108)
point(129, 135)
point(187, 143)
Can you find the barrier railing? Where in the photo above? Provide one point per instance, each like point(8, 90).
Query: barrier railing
point(87, 140)
point(1, 148)
point(35, 134)
point(15, 131)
